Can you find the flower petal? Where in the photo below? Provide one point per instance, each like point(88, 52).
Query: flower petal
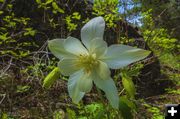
point(68, 66)
point(85, 83)
point(74, 46)
point(109, 87)
point(73, 88)
point(98, 46)
point(103, 70)
point(56, 46)
point(94, 28)
point(118, 56)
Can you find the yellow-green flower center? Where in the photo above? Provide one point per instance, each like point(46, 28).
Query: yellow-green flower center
point(88, 62)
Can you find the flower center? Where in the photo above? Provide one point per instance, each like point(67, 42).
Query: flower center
point(88, 62)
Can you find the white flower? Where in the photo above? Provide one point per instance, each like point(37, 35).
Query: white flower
point(89, 62)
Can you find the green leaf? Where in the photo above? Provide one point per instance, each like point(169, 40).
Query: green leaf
point(29, 31)
point(55, 6)
point(125, 109)
point(128, 85)
point(4, 37)
point(118, 56)
point(54, 11)
point(4, 116)
point(48, 2)
point(71, 114)
point(38, 1)
point(61, 10)
point(22, 89)
point(76, 15)
point(1, 12)
point(51, 78)
point(95, 110)
point(93, 29)
point(100, 114)
point(130, 103)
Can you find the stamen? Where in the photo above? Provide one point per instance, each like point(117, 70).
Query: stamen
point(88, 62)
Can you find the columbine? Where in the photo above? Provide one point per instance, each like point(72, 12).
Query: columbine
point(89, 62)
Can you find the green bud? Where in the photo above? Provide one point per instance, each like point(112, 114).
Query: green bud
point(51, 77)
point(128, 85)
